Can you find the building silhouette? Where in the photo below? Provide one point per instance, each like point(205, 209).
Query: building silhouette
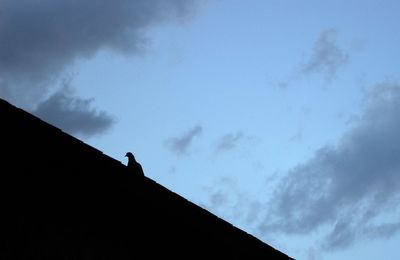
point(63, 199)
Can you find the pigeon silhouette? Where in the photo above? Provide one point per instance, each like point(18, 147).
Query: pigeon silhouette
point(134, 165)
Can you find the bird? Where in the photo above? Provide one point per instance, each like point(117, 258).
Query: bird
point(133, 164)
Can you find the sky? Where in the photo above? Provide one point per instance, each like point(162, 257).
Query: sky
point(281, 117)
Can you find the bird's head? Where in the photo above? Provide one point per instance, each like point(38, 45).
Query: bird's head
point(129, 155)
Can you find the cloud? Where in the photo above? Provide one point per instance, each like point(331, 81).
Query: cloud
point(326, 57)
point(383, 230)
point(351, 189)
point(229, 142)
point(40, 41)
point(73, 115)
point(298, 137)
point(180, 145)
point(218, 199)
point(227, 200)
point(313, 254)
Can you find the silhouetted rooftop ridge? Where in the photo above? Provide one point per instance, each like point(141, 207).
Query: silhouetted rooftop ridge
point(76, 202)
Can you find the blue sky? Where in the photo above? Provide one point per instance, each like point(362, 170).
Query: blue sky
point(281, 117)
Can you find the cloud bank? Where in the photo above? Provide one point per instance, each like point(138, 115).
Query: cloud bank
point(351, 189)
point(41, 40)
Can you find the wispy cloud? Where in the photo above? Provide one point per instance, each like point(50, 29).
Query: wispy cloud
point(230, 141)
point(180, 145)
point(73, 114)
point(226, 199)
point(326, 57)
point(352, 187)
point(298, 137)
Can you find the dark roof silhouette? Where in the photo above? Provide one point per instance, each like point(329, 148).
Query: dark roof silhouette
point(63, 199)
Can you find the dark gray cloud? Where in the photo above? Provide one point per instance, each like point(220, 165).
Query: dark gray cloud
point(326, 57)
point(72, 114)
point(351, 187)
point(180, 145)
point(40, 41)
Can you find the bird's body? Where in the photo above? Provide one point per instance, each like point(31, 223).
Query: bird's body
point(134, 165)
